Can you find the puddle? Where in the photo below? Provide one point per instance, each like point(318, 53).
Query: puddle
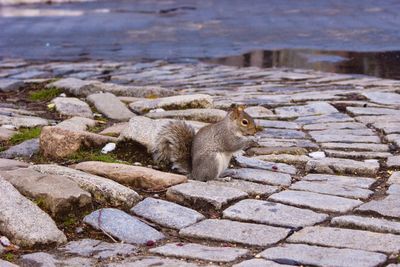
point(379, 64)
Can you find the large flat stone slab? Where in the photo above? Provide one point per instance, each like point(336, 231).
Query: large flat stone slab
point(166, 213)
point(385, 98)
point(122, 226)
point(367, 223)
point(25, 149)
point(322, 256)
point(57, 194)
point(356, 146)
point(334, 125)
point(306, 110)
point(316, 201)
point(109, 105)
point(281, 133)
point(102, 189)
point(7, 85)
point(278, 124)
point(357, 132)
point(203, 193)
point(23, 222)
point(77, 124)
point(357, 154)
point(10, 164)
point(356, 111)
point(394, 178)
point(52, 260)
point(71, 106)
point(151, 261)
point(260, 176)
point(23, 121)
point(253, 189)
point(347, 238)
point(4, 263)
point(343, 138)
point(264, 165)
point(388, 206)
point(200, 252)
point(259, 263)
point(237, 232)
point(284, 158)
point(332, 189)
point(393, 161)
point(332, 117)
point(343, 166)
point(266, 212)
point(136, 176)
point(361, 182)
point(74, 86)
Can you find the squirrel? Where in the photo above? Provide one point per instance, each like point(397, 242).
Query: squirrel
point(206, 154)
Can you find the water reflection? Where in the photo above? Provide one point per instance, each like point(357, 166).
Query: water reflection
point(380, 64)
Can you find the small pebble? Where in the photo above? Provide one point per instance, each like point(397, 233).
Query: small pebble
point(150, 243)
point(5, 241)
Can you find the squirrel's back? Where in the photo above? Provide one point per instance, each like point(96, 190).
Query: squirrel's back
point(173, 145)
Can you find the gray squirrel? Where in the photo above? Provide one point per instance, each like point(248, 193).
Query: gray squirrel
point(206, 154)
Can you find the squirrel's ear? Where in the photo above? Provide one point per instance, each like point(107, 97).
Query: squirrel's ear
point(235, 111)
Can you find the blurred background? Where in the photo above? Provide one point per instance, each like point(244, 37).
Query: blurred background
point(329, 35)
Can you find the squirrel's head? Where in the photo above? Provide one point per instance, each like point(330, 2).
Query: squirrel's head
point(244, 121)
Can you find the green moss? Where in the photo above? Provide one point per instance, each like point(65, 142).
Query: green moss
point(70, 221)
point(94, 156)
point(45, 94)
point(25, 134)
point(39, 202)
point(9, 256)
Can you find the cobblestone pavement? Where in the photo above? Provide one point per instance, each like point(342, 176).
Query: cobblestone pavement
point(321, 189)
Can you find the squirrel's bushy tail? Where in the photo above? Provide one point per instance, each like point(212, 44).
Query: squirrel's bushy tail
point(173, 145)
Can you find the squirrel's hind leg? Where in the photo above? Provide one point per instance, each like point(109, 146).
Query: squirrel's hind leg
point(205, 168)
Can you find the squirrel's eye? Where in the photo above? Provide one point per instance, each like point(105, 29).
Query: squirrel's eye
point(245, 122)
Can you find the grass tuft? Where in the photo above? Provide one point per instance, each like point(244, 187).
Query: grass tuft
point(94, 156)
point(45, 94)
point(9, 257)
point(25, 134)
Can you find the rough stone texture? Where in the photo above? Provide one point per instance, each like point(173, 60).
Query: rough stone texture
point(115, 129)
point(48, 260)
point(102, 189)
point(394, 178)
point(59, 143)
point(322, 256)
point(206, 115)
point(343, 166)
point(122, 226)
point(258, 112)
point(281, 133)
point(306, 110)
point(260, 176)
point(330, 188)
point(248, 187)
point(334, 125)
point(57, 194)
point(316, 201)
point(276, 150)
point(77, 124)
point(388, 206)
point(264, 165)
point(25, 149)
point(332, 117)
point(385, 98)
point(23, 121)
point(98, 249)
point(71, 106)
point(9, 164)
point(200, 192)
point(201, 252)
point(326, 138)
point(7, 85)
point(271, 213)
point(393, 162)
point(259, 263)
point(73, 86)
point(358, 132)
point(299, 143)
point(351, 181)
point(136, 176)
point(277, 124)
point(347, 238)
point(357, 154)
point(394, 138)
point(109, 105)
point(378, 119)
point(5, 134)
point(4, 263)
point(237, 232)
point(367, 223)
point(151, 262)
point(23, 222)
point(357, 146)
point(394, 189)
point(285, 158)
point(166, 213)
point(356, 111)
point(173, 102)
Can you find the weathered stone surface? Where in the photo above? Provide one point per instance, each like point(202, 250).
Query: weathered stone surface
point(24, 150)
point(356, 111)
point(71, 106)
point(387, 127)
point(285, 158)
point(388, 206)
point(57, 194)
point(334, 125)
point(166, 213)
point(281, 133)
point(151, 262)
point(277, 124)
point(258, 112)
point(258, 211)
point(4, 263)
point(74, 86)
point(332, 189)
point(98, 249)
point(77, 124)
point(122, 226)
point(357, 146)
point(332, 117)
point(6, 134)
point(394, 138)
point(378, 119)
point(358, 132)
point(115, 129)
point(49, 260)
point(361, 182)
point(299, 143)
point(393, 162)
point(250, 188)
point(316, 201)
point(343, 166)
point(260, 176)
point(322, 256)
point(394, 189)
point(31, 74)
point(7, 85)
point(23, 121)
point(173, 102)
point(347, 238)
point(313, 108)
point(200, 192)
point(56, 142)
point(237, 232)
point(206, 115)
point(394, 178)
point(139, 177)
point(367, 223)
point(23, 222)
point(264, 165)
point(201, 252)
point(109, 105)
point(385, 98)
point(9, 164)
point(102, 189)
point(276, 150)
point(357, 154)
point(343, 138)
point(259, 263)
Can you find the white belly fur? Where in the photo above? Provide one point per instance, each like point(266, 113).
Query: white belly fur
point(223, 160)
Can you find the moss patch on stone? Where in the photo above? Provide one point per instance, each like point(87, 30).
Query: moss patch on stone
point(93, 155)
point(25, 134)
point(45, 94)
